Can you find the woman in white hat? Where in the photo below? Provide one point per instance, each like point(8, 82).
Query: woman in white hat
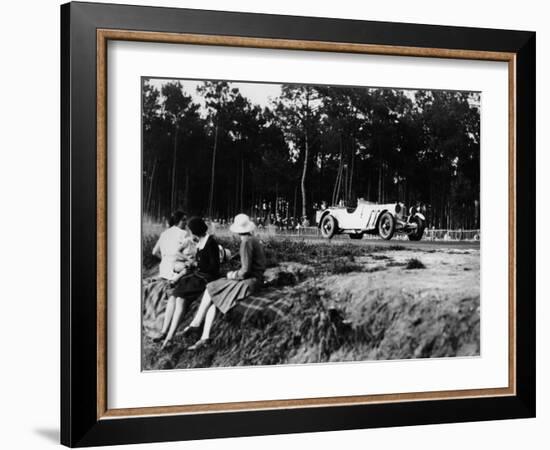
point(224, 293)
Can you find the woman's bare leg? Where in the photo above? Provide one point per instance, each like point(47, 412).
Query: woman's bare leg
point(206, 301)
point(209, 319)
point(168, 313)
point(178, 311)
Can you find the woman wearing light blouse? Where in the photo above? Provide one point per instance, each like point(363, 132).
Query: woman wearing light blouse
point(176, 250)
point(225, 293)
point(173, 247)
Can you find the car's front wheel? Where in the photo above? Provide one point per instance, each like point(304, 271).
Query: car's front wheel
point(328, 226)
point(417, 234)
point(386, 226)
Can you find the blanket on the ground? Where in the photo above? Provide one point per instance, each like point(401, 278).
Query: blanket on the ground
point(262, 306)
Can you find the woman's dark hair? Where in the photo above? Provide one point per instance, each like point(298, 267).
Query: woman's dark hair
point(176, 218)
point(197, 226)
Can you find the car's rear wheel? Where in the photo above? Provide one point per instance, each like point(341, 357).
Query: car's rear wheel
point(356, 235)
point(417, 234)
point(386, 226)
point(328, 226)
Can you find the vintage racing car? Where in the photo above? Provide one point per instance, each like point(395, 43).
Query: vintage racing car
point(371, 218)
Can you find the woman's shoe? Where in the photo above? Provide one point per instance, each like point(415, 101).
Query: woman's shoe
point(157, 337)
point(200, 344)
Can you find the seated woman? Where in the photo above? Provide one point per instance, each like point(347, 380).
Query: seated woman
point(224, 293)
point(173, 247)
point(188, 286)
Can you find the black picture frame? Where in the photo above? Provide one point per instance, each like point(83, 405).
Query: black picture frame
point(80, 425)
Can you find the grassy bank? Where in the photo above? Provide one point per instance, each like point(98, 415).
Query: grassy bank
point(356, 303)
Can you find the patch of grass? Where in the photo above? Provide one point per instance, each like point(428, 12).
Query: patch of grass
point(414, 263)
point(318, 328)
point(322, 256)
point(408, 326)
point(342, 265)
point(148, 261)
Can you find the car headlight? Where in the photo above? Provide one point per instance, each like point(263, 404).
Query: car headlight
point(398, 208)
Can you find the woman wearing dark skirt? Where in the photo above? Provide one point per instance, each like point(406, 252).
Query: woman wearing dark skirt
point(188, 287)
point(225, 293)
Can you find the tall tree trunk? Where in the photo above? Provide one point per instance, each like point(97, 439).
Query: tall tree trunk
point(295, 200)
point(304, 174)
point(380, 183)
point(379, 171)
point(211, 197)
point(337, 184)
point(242, 184)
point(351, 171)
point(321, 178)
point(173, 187)
point(345, 184)
point(335, 188)
point(186, 192)
point(151, 183)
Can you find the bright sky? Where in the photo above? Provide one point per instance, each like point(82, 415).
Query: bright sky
point(258, 93)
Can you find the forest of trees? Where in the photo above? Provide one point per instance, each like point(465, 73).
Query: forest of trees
point(223, 154)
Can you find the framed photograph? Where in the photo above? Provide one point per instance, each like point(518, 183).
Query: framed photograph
point(276, 224)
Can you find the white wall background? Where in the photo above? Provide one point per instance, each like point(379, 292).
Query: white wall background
point(29, 228)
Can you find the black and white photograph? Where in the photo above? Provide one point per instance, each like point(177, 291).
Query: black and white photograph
point(266, 225)
point(294, 224)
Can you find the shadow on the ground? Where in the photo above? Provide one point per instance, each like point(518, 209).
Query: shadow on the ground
point(50, 434)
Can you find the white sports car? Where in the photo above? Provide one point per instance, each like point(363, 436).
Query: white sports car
point(372, 218)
